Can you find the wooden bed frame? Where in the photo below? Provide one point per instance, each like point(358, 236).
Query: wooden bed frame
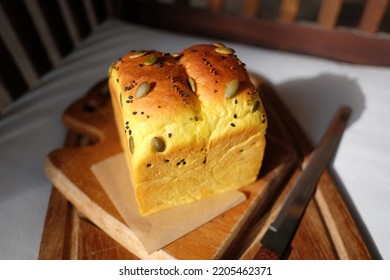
point(36, 34)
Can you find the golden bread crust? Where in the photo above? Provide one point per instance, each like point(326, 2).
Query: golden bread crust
point(182, 119)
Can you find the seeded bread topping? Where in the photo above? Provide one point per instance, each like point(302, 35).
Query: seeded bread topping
point(191, 124)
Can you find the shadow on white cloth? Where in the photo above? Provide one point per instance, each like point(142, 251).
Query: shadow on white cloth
point(311, 99)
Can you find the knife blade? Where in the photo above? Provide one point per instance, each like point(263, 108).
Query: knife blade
point(280, 233)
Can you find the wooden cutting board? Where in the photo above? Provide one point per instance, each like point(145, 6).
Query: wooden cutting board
point(82, 222)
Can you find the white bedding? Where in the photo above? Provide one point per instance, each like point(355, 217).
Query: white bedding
point(312, 88)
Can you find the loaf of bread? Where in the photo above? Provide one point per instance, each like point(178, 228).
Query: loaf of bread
point(191, 124)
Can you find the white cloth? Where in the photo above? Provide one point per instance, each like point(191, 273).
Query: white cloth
point(312, 88)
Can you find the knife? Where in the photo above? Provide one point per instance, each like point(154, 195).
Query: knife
point(280, 233)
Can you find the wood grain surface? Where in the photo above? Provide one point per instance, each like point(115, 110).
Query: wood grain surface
point(77, 228)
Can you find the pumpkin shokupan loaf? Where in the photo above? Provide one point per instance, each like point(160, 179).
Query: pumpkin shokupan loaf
point(191, 124)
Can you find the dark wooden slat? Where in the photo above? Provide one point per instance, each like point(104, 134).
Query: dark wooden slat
point(75, 19)
point(100, 10)
point(215, 5)
point(56, 24)
point(288, 10)
point(80, 17)
point(10, 75)
point(372, 15)
point(250, 7)
point(111, 7)
point(43, 31)
point(329, 12)
point(5, 97)
point(339, 45)
point(90, 13)
point(24, 27)
point(69, 23)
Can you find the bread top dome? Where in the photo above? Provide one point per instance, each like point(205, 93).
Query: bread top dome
point(195, 96)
